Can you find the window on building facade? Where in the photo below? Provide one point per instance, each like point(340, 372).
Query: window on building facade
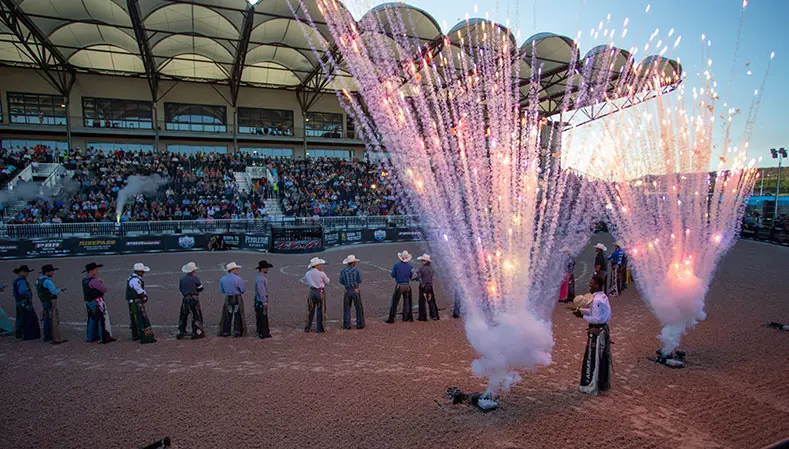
point(334, 154)
point(195, 117)
point(265, 122)
point(18, 144)
point(195, 149)
point(324, 124)
point(112, 146)
point(36, 109)
point(115, 113)
point(269, 152)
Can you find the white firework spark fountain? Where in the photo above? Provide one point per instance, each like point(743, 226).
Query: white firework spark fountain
point(674, 216)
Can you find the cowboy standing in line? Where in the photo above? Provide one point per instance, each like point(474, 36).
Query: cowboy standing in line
point(402, 272)
point(26, 319)
point(316, 300)
point(350, 278)
point(601, 264)
point(48, 294)
point(93, 291)
point(232, 286)
point(190, 287)
point(567, 290)
point(616, 270)
point(426, 295)
point(137, 297)
point(261, 300)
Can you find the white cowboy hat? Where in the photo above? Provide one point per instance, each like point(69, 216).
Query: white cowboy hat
point(190, 267)
point(404, 256)
point(601, 246)
point(315, 261)
point(141, 267)
point(566, 249)
point(350, 259)
point(231, 266)
point(424, 258)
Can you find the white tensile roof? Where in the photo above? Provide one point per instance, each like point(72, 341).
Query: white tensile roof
point(203, 40)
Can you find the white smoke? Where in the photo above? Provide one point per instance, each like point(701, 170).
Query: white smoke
point(518, 340)
point(136, 185)
point(678, 302)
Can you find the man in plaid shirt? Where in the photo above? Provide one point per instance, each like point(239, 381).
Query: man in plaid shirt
point(350, 278)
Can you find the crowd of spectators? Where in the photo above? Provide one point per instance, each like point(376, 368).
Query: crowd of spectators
point(334, 187)
point(12, 161)
point(203, 186)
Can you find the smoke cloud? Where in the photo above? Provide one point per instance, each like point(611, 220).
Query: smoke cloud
point(136, 185)
point(678, 303)
point(518, 340)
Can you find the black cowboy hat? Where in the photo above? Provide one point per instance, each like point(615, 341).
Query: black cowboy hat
point(263, 264)
point(23, 268)
point(47, 268)
point(92, 266)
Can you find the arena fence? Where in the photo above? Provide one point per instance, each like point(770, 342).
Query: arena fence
point(285, 235)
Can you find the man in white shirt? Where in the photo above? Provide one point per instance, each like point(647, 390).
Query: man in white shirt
point(597, 366)
point(316, 300)
point(137, 297)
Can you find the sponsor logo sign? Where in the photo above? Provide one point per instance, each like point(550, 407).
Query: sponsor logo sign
point(256, 241)
point(186, 242)
point(379, 234)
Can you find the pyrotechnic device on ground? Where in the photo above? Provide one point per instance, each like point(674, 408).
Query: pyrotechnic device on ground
point(485, 402)
point(675, 359)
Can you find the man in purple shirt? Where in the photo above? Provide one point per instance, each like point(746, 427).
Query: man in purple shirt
point(261, 300)
point(93, 290)
point(402, 273)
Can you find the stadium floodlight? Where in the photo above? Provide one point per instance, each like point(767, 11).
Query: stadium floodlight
point(782, 152)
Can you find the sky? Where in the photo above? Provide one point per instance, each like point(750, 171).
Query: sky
point(763, 31)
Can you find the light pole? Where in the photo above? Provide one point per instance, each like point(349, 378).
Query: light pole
point(779, 154)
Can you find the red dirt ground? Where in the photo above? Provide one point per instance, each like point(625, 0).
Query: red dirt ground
point(384, 386)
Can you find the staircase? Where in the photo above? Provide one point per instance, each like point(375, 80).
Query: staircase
point(242, 181)
point(274, 207)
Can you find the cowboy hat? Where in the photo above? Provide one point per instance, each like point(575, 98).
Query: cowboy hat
point(141, 267)
point(48, 267)
point(601, 246)
point(190, 267)
point(22, 269)
point(92, 266)
point(566, 249)
point(350, 259)
point(231, 266)
point(404, 256)
point(424, 258)
point(315, 261)
point(263, 264)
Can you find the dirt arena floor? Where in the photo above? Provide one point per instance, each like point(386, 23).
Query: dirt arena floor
point(384, 386)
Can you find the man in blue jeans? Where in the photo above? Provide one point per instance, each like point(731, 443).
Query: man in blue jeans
point(402, 273)
point(350, 278)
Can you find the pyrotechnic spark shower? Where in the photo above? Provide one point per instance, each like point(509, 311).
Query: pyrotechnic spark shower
point(675, 217)
point(473, 156)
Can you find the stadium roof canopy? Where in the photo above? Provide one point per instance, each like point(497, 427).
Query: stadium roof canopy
point(242, 42)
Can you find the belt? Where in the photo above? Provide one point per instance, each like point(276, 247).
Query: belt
point(598, 326)
point(426, 283)
point(320, 289)
point(404, 283)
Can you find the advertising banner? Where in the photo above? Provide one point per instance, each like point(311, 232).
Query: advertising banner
point(257, 242)
point(14, 249)
point(48, 248)
point(331, 238)
point(94, 245)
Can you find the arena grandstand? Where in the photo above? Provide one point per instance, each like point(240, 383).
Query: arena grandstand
point(231, 101)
